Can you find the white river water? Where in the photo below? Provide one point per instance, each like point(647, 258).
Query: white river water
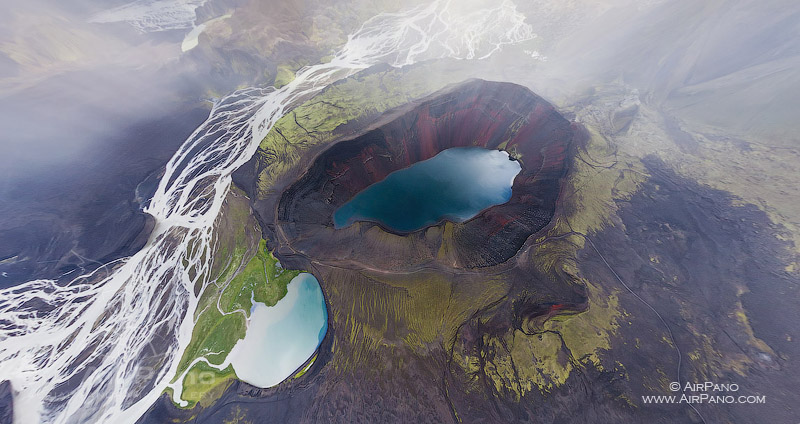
point(105, 346)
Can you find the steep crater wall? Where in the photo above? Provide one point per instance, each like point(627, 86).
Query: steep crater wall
point(475, 113)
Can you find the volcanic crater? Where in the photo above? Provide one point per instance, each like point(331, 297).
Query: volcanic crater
point(477, 113)
point(456, 305)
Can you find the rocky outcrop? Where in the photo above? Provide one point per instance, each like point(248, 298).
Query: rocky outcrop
point(476, 113)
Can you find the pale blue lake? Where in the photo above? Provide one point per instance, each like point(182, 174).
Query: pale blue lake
point(283, 337)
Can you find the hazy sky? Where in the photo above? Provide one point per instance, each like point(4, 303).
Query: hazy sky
point(65, 81)
point(66, 85)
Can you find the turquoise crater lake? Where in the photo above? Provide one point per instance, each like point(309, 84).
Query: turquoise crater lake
point(456, 185)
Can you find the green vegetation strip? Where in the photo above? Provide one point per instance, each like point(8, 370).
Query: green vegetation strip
point(223, 321)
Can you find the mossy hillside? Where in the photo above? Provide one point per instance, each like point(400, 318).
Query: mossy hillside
point(236, 236)
point(262, 280)
point(417, 311)
point(544, 360)
point(601, 176)
point(286, 72)
point(544, 355)
point(203, 384)
point(716, 160)
point(602, 179)
point(325, 117)
point(525, 361)
point(396, 327)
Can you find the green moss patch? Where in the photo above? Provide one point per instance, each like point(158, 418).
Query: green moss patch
point(204, 384)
